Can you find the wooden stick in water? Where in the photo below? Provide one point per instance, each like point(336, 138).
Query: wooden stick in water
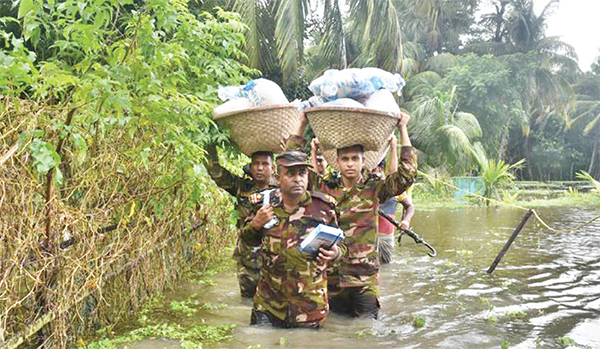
point(509, 242)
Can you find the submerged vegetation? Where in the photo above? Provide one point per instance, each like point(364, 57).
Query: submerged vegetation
point(190, 337)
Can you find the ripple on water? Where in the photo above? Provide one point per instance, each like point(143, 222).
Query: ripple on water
point(547, 286)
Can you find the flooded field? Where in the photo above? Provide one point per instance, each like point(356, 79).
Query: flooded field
point(544, 294)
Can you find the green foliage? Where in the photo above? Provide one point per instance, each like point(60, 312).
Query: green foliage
point(136, 68)
point(486, 89)
point(186, 307)
point(515, 314)
point(364, 333)
point(586, 176)
point(505, 344)
point(447, 136)
point(495, 174)
point(419, 322)
point(565, 341)
point(190, 337)
point(44, 155)
point(112, 101)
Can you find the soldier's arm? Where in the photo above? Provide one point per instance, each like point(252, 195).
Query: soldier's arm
point(398, 182)
point(224, 179)
point(409, 209)
point(252, 231)
point(393, 154)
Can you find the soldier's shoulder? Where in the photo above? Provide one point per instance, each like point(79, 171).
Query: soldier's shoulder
point(325, 198)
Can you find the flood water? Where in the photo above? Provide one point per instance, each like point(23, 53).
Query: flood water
point(546, 287)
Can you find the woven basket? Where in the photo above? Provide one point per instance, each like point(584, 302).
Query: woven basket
point(339, 127)
point(261, 128)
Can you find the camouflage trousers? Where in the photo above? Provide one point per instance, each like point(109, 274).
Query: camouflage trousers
point(258, 317)
point(356, 301)
point(248, 270)
point(386, 248)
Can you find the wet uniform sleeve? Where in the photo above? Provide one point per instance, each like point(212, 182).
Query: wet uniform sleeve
point(224, 179)
point(250, 235)
point(397, 183)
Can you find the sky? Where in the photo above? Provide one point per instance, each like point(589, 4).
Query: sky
point(577, 22)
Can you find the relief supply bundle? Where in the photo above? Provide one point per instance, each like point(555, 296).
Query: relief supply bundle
point(355, 83)
point(259, 92)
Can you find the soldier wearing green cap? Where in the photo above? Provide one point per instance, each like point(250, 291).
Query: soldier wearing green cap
point(292, 288)
point(258, 178)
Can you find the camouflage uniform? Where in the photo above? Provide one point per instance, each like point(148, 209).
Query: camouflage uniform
point(292, 289)
point(354, 281)
point(246, 255)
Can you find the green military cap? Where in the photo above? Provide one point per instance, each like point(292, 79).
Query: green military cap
point(292, 158)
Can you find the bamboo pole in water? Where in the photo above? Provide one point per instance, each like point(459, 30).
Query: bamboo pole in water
point(509, 242)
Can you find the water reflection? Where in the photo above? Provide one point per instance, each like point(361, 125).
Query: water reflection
point(547, 286)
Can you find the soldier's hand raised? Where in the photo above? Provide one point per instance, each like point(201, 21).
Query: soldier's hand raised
point(404, 119)
point(263, 215)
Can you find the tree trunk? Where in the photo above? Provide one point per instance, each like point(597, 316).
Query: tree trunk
point(527, 153)
point(503, 145)
point(594, 154)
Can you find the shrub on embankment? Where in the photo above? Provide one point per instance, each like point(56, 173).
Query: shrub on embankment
point(105, 107)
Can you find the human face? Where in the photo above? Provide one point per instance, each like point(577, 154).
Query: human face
point(351, 162)
point(261, 168)
point(293, 180)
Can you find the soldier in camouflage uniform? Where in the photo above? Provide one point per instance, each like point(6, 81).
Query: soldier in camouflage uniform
point(354, 283)
point(260, 178)
point(292, 289)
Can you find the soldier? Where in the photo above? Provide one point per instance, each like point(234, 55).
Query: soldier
point(354, 286)
point(292, 289)
point(259, 178)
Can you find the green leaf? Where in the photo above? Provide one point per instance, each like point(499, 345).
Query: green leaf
point(144, 156)
point(25, 6)
point(79, 141)
point(58, 176)
point(44, 155)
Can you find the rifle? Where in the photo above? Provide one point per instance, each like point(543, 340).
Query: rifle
point(412, 234)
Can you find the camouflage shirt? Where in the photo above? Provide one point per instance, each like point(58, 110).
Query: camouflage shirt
point(358, 217)
point(293, 284)
point(241, 188)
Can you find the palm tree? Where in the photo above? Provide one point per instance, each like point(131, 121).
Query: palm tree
point(445, 135)
point(540, 64)
point(373, 26)
point(437, 25)
point(260, 45)
point(587, 112)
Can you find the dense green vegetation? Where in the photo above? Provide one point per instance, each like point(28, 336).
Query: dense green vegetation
point(105, 110)
point(495, 84)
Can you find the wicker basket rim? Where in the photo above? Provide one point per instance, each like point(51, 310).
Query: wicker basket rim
point(253, 109)
point(352, 110)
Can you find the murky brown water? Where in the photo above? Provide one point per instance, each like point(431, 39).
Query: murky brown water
point(547, 286)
